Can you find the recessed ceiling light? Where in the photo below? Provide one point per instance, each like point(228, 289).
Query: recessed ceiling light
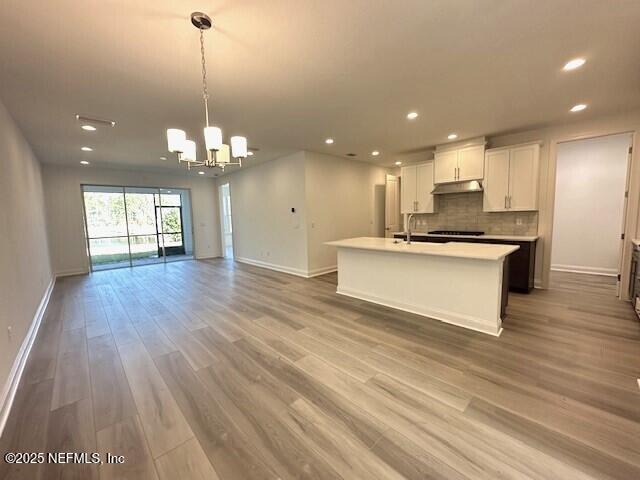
point(89, 128)
point(329, 141)
point(573, 64)
point(398, 163)
point(412, 115)
point(84, 162)
point(200, 172)
point(163, 158)
point(375, 153)
point(87, 149)
point(578, 108)
point(452, 136)
point(250, 153)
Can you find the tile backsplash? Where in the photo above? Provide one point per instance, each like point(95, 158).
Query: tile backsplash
point(463, 211)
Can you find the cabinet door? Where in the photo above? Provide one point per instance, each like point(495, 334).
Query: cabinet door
point(408, 189)
point(523, 178)
point(471, 163)
point(496, 181)
point(424, 176)
point(444, 166)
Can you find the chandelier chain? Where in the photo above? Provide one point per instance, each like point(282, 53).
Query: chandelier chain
point(205, 92)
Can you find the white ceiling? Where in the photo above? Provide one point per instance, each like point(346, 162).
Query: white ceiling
point(289, 73)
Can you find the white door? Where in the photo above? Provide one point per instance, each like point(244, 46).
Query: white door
point(624, 222)
point(424, 187)
point(392, 206)
point(523, 178)
point(471, 163)
point(408, 189)
point(445, 166)
point(496, 181)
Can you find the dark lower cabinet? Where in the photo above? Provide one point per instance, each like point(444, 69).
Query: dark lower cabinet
point(521, 262)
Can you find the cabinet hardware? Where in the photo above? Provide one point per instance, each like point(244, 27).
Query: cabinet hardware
point(505, 202)
point(509, 202)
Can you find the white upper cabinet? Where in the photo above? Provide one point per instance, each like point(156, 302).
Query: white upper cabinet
point(459, 165)
point(511, 179)
point(424, 198)
point(445, 166)
point(471, 163)
point(416, 184)
point(408, 185)
point(496, 181)
point(523, 177)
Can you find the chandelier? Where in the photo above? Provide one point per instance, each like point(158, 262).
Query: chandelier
point(218, 153)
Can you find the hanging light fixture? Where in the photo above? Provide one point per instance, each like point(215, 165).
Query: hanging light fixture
point(218, 153)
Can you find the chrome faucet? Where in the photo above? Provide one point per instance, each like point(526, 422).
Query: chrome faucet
point(409, 228)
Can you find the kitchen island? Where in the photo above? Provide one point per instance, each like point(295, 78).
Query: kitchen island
point(460, 283)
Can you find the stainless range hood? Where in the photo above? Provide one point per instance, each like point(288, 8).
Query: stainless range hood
point(458, 187)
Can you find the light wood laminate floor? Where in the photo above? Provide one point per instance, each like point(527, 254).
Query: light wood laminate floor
point(213, 369)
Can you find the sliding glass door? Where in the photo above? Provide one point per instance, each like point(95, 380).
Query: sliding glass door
point(129, 226)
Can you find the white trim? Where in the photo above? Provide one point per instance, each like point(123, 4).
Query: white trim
point(272, 266)
point(11, 385)
point(608, 272)
point(322, 271)
point(208, 257)
point(69, 273)
point(441, 315)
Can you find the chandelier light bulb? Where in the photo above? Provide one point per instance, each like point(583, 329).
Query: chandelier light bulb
point(189, 153)
point(238, 147)
point(223, 155)
point(213, 138)
point(175, 140)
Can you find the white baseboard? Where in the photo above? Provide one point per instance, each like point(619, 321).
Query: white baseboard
point(70, 273)
point(441, 315)
point(11, 385)
point(609, 272)
point(209, 257)
point(272, 266)
point(322, 271)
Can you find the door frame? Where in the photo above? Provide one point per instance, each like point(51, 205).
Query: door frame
point(221, 215)
point(632, 204)
point(123, 187)
point(400, 222)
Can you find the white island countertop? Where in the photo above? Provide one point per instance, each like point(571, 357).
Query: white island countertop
point(479, 251)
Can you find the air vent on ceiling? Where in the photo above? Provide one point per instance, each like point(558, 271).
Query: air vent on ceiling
point(95, 121)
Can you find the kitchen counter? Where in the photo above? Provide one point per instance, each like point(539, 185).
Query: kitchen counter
point(465, 284)
point(476, 251)
point(515, 238)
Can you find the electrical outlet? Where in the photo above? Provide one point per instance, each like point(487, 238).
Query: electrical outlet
point(519, 221)
point(10, 332)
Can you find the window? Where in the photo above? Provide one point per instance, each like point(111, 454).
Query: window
point(128, 226)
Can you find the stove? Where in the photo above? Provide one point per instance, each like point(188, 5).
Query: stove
point(456, 232)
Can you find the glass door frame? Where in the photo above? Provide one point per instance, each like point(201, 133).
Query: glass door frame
point(159, 192)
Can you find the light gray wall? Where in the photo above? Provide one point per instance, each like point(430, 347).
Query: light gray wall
point(264, 228)
point(590, 185)
point(345, 199)
point(334, 198)
point(66, 221)
point(25, 269)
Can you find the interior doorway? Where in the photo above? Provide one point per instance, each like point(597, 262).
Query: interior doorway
point(131, 226)
point(592, 181)
point(226, 222)
point(392, 217)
